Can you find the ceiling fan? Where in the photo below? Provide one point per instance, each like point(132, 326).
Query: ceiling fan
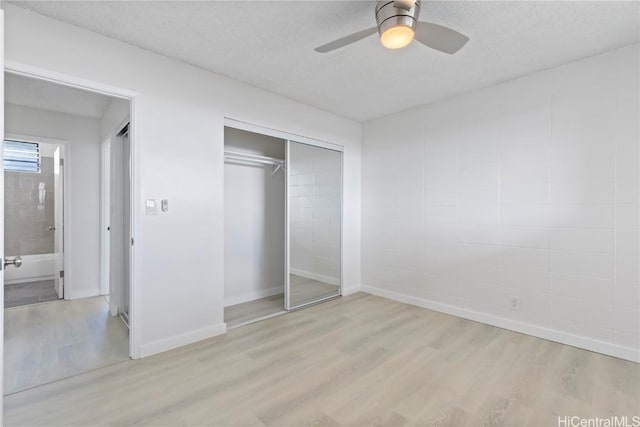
point(397, 24)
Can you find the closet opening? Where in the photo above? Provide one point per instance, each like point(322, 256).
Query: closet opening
point(283, 223)
point(254, 226)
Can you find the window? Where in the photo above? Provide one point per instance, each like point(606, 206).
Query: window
point(21, 156)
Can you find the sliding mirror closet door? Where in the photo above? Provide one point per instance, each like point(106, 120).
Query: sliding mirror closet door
point(314, 179)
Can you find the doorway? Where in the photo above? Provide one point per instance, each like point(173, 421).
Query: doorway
point(57, 130)
point(33, 212)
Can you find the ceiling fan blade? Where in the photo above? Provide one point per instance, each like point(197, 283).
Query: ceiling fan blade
point(440, 38)
point(341, 42)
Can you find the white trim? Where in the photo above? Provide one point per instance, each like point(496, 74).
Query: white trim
point(96, 87)
point(135, 194)
point(2, 217)
point(105, 188)
point(342, 252)
point(287, 226)
point(315, 276)
point(351, 290)
point(253, 295)
point(250, 127)
point(187, 338)
point(627, 353)
point(85, 293)
point(66, 80)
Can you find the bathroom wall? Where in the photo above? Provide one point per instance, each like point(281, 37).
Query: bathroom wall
point(28, 211)
point(526, 191)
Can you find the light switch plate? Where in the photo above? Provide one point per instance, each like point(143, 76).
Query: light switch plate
point(151, 207)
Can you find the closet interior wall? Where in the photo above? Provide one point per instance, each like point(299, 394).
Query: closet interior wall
point(254, 209)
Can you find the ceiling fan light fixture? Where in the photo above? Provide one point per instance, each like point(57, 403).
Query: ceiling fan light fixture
point(397, 37)
point(396, 22)
point(397, 25)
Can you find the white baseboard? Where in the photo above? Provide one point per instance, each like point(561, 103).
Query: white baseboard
point(314, 276)
point(187, 338)
point(351, 290)
point(627, 353)
point(251, 296)
point(84, 293)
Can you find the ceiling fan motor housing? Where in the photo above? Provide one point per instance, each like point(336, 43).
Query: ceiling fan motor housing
point(397, 13)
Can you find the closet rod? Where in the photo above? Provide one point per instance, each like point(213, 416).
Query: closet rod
point(254, 158)
point(232, 155)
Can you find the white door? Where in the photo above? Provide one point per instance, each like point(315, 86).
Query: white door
point(116, 269)
point(58, 215)
point(120, 224)
point(105, 191)
point(1, 210)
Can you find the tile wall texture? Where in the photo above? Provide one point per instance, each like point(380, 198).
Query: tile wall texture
point(315, 209)
point(528, 188)
point(28, 213)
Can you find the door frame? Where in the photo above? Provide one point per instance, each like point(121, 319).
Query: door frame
point(66, 199)
point(116, 138)
point(105, 206)
point(105, 188)
point(135, 213)
point(2, 217)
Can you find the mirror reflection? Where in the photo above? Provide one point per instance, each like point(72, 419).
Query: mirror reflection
point(315, 209)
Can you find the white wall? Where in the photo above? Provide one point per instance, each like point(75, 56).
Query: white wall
point(254, 220)
point(314, 204)
point(178, 152)
point(528, 189)
point(82, 251)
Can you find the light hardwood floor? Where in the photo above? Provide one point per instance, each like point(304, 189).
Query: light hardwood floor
point(248, 311)
point(303, 290)
point(354, 361)
point(49, 341)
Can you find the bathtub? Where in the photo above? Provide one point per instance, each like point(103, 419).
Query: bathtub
point(34, 268)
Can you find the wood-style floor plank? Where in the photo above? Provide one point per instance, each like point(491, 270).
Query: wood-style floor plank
point(356, 361)
point(53, 340)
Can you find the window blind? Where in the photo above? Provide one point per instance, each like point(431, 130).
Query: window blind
point(21, 156)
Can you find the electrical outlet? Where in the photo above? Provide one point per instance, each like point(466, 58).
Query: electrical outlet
point(515, 303)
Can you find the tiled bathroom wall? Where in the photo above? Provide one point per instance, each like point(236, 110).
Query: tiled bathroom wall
point(29, 210)
point(517, 204)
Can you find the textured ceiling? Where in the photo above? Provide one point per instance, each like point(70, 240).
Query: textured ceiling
point(269, 44)
point(35, 93)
